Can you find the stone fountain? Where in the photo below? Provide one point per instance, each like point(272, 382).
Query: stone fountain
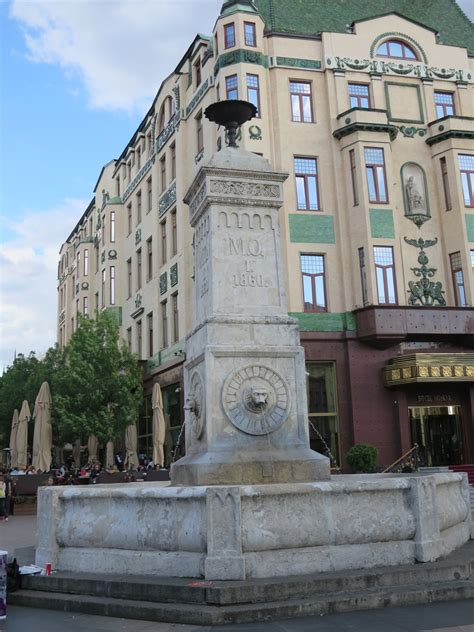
point(249, 499)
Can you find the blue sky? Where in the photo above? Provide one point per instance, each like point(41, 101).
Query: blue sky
point(76, 78)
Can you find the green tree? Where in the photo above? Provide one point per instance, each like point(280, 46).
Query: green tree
point(97, 389)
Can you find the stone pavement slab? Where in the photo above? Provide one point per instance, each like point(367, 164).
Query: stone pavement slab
point(18, 536)
point(456, 616)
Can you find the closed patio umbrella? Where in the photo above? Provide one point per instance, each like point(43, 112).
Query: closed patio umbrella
point(159, 427)
point(13, 433)
point(131, 458)
point(76, 453)
point(109, 455)
point(22, 435)
point(43, 434)
point(92, 447)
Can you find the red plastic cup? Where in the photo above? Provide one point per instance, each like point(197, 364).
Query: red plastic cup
point(47, 568)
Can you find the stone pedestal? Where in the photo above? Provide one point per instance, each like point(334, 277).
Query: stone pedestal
point(244, 377)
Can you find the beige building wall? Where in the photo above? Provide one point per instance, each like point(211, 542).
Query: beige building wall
point(401, 120)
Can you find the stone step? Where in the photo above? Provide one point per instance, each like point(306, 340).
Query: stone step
point(172, 590)
point(250, 612)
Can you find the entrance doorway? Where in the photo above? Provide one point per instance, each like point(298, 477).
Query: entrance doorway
point(438, 432)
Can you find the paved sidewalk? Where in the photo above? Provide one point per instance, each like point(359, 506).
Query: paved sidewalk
point(17, 536)
point(454, 616)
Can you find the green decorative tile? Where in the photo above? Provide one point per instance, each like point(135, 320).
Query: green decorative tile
point(312, 229)
point(470, 227)
point(174, 275)
point(325, 321)
point(381, 223)
point(163, 282)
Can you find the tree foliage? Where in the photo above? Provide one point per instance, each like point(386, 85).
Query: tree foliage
point(95, 384)
point(98, 387)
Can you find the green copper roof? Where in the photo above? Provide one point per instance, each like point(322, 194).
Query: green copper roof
point(308, 17)
point(231, 6)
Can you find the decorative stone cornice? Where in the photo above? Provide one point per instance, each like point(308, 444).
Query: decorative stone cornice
point(366, 127)
point(167, 199)
point(382, 67)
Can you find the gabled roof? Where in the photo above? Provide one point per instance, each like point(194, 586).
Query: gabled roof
point(309, 17)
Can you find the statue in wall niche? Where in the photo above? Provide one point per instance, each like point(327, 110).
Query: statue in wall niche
point(414, 197)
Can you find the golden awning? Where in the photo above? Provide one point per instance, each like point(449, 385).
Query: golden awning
point(429, 367)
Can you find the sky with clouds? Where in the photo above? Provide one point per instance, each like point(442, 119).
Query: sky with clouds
point(76, 78)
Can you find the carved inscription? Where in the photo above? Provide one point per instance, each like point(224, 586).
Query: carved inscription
point(202, 256)
point(252, 252)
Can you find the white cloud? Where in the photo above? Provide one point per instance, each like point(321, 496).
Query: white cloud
point(120, 49)
point(28, 264)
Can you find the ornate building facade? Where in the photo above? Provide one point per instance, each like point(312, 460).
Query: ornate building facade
point(370, 111)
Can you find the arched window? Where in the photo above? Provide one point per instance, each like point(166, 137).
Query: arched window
point(396, 49)
point(167, 111)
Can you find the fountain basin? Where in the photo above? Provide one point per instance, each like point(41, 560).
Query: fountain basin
point(252, 531)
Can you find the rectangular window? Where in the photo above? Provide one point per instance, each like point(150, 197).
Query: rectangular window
point(174, 235)
point(306, 175)
point(173, 161)
point(253, 92)
point(163, 243)
point(149, 194)
point(301, 102)
point(104, 278)
point(149, 321)
point(385, 273)
point(197, 73)
point(149, 259)
point(231, 87)
point(78, 264)
point(163, 173)
point(148, 142)
point(129, 170)
point(164, 324)
point(129, 218)
point(129, 338)
point(444, 102)
point(86, 262)
point(322, 409)
point(73, 287)
point(355, 190)
point(359, 95)
point(139, 158)
point(96, 301)
point(363, 276)
point(139, 269)
point(85, 305)
point(250, 34)
point(77, 307)
point(216, 45)
point(199, 133)
point(445, 179)
point(72, 324)
point(376, 178)
point(118, 185)
point(174, 299)
point(229, 35)
point(112, 226)
point(314, 286)
point(466, 167)
point(139, 338)
point(139, 207)
point(129, 278)
point(112, 285)
point(458, 279)
point(103, 230)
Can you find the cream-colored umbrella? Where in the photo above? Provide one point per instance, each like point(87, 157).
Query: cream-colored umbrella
point(13, 433)
point(131, 457)
point(159, 428)
point(43, 434)
point(22, 435)
point(109, 455)
point(92, 447)
point(76, 453)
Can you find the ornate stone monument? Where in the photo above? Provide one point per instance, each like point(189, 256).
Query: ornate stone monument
point(244, 377)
